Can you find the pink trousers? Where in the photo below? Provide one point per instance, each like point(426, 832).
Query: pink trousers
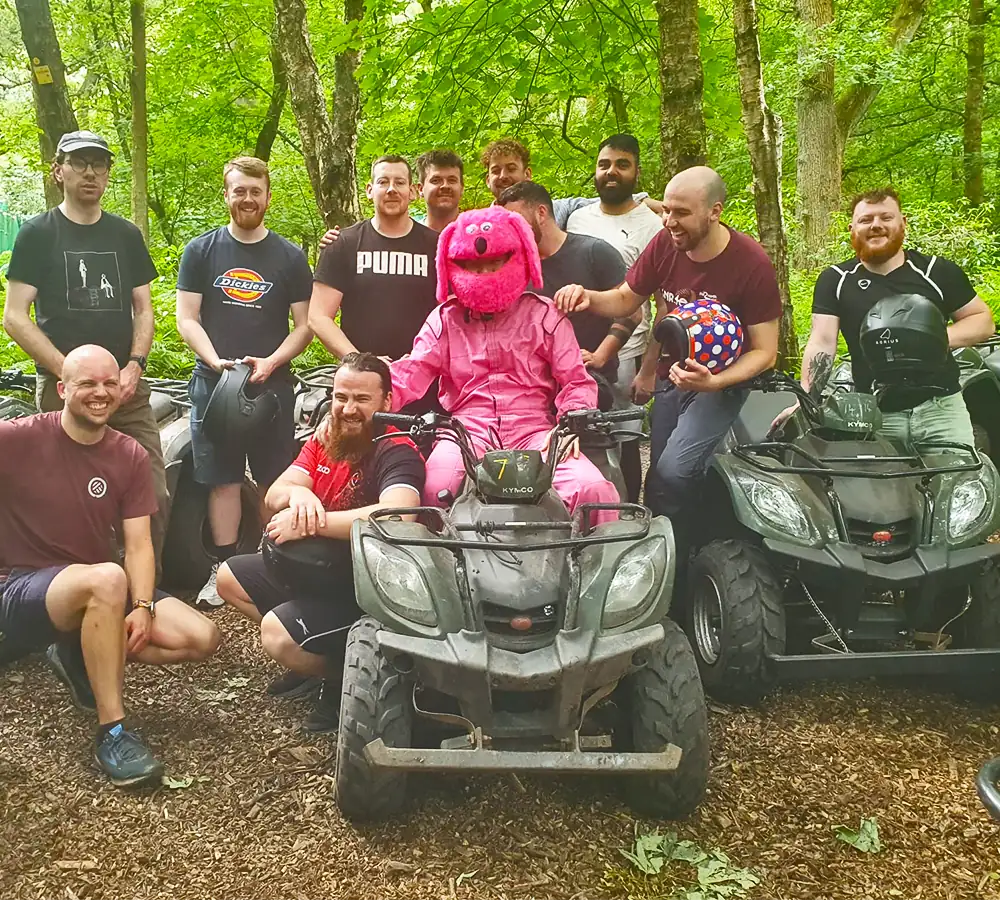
point(576, 481)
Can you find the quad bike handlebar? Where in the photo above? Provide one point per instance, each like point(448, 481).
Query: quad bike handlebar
point(16, 380)
point(986, 787)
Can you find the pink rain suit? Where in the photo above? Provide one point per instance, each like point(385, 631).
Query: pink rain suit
point(503, 362)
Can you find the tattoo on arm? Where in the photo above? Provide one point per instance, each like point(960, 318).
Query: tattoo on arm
point(820, 369)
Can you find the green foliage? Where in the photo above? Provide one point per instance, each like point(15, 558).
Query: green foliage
point(864, 840)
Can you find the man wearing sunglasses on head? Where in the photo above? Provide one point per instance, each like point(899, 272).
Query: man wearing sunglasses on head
point(87, 272)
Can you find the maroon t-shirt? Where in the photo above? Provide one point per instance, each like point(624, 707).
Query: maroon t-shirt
point(60, 500)
point(741, 276)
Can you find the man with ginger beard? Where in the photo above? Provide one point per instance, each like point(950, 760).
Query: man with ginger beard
point(235, 288)
point(341, 475)
point(927, 408)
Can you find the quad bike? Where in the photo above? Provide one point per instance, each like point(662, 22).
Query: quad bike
point(540, 642)
point(187, 548)
point(829, 552)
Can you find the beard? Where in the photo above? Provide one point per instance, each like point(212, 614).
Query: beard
point(689, 238)
point(347, 439)
point(894, 243)
point(247, 219)
point(615, 193)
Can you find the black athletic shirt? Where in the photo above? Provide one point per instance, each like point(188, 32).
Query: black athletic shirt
point(389, 285)
point(246, 291)
point(849, 290)
point(84, 275)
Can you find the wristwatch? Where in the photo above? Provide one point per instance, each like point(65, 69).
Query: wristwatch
point(141, 360)
point(146, 604)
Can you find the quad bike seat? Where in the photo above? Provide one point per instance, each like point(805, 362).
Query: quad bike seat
point(754, 420)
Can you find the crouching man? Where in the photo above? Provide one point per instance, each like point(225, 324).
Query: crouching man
point(67, 483)
point(342, 474)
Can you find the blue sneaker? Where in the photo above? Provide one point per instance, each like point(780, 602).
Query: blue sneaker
point(69, 668)
point(126, 760)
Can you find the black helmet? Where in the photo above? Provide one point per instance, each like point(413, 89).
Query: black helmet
point(237, 409)
point(313, 565)
point(903, 335)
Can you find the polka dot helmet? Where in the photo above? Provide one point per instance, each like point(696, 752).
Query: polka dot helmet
point(704, 330)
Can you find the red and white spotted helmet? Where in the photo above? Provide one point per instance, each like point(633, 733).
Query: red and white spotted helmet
point(704, 330)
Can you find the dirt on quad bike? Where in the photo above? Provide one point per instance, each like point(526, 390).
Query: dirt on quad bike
point(833, 553)
point(504, 635)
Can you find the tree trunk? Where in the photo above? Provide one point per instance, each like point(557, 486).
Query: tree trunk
point(279, 91)
point(53, 110)
point(682, 122)
point(856, 99)
point(764, 143)
point(818, 164)
point(328, 144)
point(140, 122)
point(972, 135)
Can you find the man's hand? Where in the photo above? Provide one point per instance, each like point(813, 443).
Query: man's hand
point(138, 630)
point(693, 376)
point(280, 529)
point(129, 379)
point(570, 447)
point(220, 365)
point(388, 359)
point(263, 367)
point(595, 360)
point(643, 386)
point(572, 298)
point(783, 417)
point(332, 235)
point(307, 510)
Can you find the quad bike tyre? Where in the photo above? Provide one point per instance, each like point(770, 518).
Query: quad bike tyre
point(375, 703)
point(735, 618)
point(980, 629)
point(187, 548)
point(661, 704)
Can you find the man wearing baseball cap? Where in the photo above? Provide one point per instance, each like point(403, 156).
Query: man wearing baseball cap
point(87, 272)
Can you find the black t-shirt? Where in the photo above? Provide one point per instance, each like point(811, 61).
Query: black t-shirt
point(849, 290)
point(389, 285)
point(84, 275)
point(597, 266)
point(246, 290)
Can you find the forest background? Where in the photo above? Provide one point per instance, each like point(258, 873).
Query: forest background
point(797, 103)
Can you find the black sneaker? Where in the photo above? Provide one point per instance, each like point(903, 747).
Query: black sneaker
point(126, 760)
point(291, 685)
point(67, 663)
point(325, 715)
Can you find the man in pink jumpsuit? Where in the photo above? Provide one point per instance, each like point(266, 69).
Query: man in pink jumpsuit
point(505, 357)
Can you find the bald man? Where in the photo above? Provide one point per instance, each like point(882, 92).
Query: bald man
point(694, 256)
point(67, 481)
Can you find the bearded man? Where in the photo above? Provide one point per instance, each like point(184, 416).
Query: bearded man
point(342, 474)
point(235, 287)
point(929, 407)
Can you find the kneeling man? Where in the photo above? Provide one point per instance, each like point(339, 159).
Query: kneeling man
point(67, 483)
point(342, 474)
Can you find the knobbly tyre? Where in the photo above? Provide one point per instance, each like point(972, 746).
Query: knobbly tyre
point(187, 549)
point(831, 553)
point(529, 636)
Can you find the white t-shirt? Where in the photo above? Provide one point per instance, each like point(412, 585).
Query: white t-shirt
point(628, 234)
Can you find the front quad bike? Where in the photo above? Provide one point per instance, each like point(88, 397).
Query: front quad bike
point(541, 641)
point(862, 558)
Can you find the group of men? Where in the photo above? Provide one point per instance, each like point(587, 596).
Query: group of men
point(86, 476)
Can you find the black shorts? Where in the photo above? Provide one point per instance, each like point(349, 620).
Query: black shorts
point(317, 625)
point(24, 618)
point(269, 455)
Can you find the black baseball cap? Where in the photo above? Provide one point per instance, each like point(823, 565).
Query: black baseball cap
point(82, 140)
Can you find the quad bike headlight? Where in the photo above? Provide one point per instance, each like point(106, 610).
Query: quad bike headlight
point(776, 505)
point(633, 587)
point(400, 582)
point(968, 502)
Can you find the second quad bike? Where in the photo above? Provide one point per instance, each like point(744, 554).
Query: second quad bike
point(504, 635)
point(829, 552)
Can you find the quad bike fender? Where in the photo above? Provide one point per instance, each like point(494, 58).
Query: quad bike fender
point(175, 442)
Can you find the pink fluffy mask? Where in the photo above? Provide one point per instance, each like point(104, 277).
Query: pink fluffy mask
point(486, 258)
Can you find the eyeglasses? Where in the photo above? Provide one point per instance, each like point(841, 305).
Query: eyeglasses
point(80, 165)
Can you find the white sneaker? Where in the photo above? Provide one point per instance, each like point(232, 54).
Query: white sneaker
point(209, 594)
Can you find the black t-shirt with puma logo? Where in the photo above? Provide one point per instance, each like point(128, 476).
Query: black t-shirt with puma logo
point(849, 290)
